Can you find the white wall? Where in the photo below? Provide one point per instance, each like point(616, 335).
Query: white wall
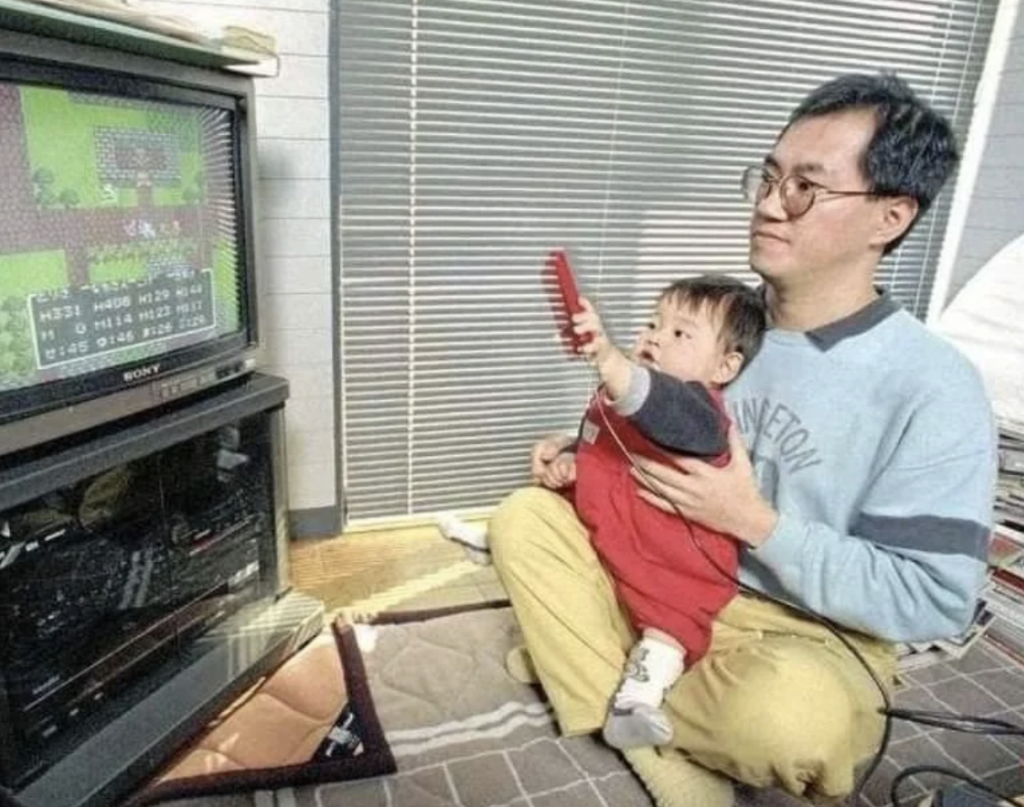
point(995, 214)
point(294, 228)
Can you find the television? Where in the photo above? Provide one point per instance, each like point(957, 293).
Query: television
point(126, 260)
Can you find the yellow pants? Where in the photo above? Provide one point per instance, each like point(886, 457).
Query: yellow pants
point(777, 700)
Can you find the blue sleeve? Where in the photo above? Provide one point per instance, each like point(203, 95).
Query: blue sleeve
point(912, 563)
point(679, 416)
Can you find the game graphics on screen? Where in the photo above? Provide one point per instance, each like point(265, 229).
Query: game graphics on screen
point(118, 231)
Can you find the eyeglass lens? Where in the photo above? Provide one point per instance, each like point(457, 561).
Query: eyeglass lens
point(795, 193)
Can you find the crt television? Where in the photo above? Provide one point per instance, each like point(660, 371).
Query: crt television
point(126, 260)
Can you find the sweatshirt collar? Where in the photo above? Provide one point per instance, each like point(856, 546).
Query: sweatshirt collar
point(828, 336)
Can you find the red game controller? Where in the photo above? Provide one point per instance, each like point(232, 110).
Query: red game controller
point(567, 301)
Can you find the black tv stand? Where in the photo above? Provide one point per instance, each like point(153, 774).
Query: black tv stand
point(143, 587)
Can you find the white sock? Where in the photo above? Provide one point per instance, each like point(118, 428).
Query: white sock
point(472, 537)
point(652, 667)
point(636, 718)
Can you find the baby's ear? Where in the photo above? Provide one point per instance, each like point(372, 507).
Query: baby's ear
point(728, 368)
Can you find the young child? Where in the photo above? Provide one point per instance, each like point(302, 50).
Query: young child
point(664, 400)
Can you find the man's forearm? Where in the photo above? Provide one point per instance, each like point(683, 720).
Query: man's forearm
point(904, 595)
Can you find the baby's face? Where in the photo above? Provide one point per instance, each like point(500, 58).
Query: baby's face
point(681, 340)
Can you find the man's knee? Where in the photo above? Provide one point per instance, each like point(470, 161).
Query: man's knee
point(791, 721)
point(786, 718)
point(517, 520)
point(508, 517)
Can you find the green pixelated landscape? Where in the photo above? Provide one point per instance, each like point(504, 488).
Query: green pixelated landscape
point(32, 273)
point(71, 159)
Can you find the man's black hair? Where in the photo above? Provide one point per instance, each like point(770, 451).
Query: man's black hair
point(742, 309)
point(913, 150)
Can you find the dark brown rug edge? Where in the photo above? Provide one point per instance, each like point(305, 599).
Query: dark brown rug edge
point(413, 615)
point(375, 760)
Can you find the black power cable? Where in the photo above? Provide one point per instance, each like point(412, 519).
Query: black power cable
point(974, 782)
point(7, 798)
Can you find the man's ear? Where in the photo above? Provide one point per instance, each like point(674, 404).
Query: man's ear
point(728, 368)
point(897, 214)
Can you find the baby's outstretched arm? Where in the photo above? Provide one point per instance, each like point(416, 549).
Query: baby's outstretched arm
point(612, 364)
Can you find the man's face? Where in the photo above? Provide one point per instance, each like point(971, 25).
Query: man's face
point(835, 234)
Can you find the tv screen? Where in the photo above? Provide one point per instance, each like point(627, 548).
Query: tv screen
point(119, 231)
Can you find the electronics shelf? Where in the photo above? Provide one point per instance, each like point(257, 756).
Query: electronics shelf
point(154, 555)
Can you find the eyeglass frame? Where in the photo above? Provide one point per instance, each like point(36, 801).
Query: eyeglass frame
point(768, 181)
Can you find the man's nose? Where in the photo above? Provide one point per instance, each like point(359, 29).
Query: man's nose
point(769, 207)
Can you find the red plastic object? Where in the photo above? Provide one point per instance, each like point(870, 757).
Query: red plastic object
point(567, 301)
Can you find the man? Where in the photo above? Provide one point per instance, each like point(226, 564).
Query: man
point(866, 496)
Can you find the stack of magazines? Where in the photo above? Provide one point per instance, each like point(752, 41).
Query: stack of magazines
point(915, 655)
point(1000, 612)
point(1005, 594)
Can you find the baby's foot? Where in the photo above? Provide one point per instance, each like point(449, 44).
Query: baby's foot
point(471, 537)
point(632, 725)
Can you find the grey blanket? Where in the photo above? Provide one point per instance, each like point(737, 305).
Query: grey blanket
point(465, 734)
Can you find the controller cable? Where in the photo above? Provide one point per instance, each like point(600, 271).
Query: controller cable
point(951, 721)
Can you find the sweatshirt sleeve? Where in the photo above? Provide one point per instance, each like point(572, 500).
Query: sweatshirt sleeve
point(677, 415)
point(912, 564)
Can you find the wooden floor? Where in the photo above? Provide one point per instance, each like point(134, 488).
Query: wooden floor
point(368, 572)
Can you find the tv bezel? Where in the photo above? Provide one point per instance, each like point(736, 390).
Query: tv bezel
point(78, 67)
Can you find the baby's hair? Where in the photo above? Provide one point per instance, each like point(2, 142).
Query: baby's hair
point(742, 309)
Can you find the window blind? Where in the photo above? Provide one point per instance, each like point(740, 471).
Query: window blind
point(472, 137)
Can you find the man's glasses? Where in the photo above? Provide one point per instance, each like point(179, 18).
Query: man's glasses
point(796, 193)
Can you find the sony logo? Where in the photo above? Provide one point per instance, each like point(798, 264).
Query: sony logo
point(141, 372)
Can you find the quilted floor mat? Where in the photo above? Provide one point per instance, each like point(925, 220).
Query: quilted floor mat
point(472, 735)
point(458, 728)
point(312, 720)
point(462, 733)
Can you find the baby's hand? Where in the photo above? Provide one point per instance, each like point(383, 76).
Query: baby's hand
point(588, 323)
point(560, 472)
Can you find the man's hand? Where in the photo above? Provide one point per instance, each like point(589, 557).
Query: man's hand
point(725, 499)
point(545, 452)
point(560, 472)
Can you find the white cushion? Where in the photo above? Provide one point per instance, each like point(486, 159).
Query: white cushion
point(986, 321)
